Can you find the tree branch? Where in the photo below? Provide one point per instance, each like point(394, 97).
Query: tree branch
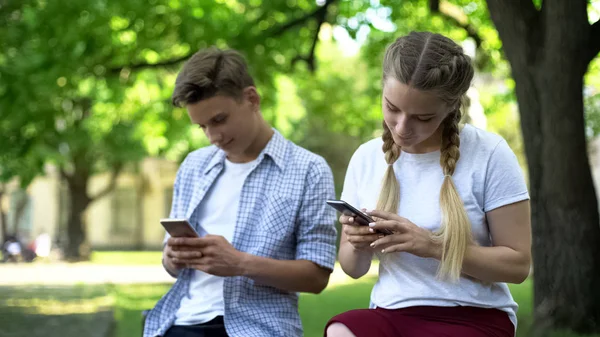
point(594, 41)
point(317, 13)
point(455, 15)
point(310, 58)
point(434, 6)
point(321, 11)
point(112, 183)
point(144, 65)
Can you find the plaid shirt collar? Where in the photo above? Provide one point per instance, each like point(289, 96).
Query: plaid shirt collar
point(275, 150)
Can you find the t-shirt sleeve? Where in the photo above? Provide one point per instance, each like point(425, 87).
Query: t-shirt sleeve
point(504, 180)
point(350, 189)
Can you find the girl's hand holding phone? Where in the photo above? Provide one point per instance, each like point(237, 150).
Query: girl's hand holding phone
point(359, 236)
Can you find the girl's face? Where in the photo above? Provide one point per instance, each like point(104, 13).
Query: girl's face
point(414, 117)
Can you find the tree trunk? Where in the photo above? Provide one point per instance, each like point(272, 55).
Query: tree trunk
point(22, 202)
point(548, 52)
point(139, 207)
point(77, 248)
point(3, 225)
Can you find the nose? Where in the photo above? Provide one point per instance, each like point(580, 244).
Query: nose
point(213, 136)
point(402, 127)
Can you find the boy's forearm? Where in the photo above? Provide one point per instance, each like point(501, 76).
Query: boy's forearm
point(287, 275)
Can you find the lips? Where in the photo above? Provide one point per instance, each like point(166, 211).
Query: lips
point(222, 145)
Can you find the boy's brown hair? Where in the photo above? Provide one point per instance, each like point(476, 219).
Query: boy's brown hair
point(211, 72)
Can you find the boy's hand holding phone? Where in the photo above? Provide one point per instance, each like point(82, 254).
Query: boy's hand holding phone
point(168, 254)
point(211, 254)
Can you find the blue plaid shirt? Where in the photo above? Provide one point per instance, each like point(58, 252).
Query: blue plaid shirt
point(282, 215)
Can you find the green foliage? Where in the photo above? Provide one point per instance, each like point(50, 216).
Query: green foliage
point(592, 98)
point(89, 82)
point(503, 118)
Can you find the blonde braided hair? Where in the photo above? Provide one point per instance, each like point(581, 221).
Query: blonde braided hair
point(431, 62)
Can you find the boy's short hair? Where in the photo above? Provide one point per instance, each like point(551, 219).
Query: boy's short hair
point(211, 72)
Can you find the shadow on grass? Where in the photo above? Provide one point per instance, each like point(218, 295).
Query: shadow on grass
point(55, 311)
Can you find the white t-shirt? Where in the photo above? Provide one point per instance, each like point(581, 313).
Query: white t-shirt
point(216, 214)
point(487, 176)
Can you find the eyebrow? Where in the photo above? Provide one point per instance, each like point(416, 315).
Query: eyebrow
point(213, 118)
point(395, 107)
point(217, 116)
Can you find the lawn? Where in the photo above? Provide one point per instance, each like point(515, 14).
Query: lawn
point(42, 311)
point(45, 311)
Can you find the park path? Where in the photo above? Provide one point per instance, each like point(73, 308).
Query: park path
point(88, 273)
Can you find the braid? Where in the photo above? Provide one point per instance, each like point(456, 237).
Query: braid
point(455, 230)
point(390, 148)
point(436, 64)
point(389, 197)
point(450, 143)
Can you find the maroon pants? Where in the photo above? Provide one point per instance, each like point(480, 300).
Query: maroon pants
point(426, 321)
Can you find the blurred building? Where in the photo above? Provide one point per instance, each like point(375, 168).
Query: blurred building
point(127, 218)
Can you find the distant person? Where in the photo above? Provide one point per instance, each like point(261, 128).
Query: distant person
point(12, 249)
point(258, 202)
point(454, 197)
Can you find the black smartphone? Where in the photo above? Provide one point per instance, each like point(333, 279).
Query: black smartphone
point(179, 228)
point(360, 217)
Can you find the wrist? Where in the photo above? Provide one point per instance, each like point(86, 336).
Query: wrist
point(246, 263)
point(363, 251)
point(437, 249)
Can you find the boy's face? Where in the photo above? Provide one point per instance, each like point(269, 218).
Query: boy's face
point(230, 124)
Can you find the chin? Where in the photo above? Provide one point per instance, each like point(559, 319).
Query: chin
point(405, 142)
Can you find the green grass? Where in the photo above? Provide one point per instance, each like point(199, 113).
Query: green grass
point(316, 310)
point(43, 311)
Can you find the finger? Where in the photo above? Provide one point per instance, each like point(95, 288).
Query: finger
point(364, 238)
point(184, 248)
point(345, 219)
point(357, 230)
point(402, 247)
point(187, 262)
point(192, 242)
point(391, 239)
point(186, 254)
point(384, 215)
point(392, 225)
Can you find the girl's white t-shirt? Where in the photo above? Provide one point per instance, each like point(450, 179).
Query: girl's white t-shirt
point(487, 176)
